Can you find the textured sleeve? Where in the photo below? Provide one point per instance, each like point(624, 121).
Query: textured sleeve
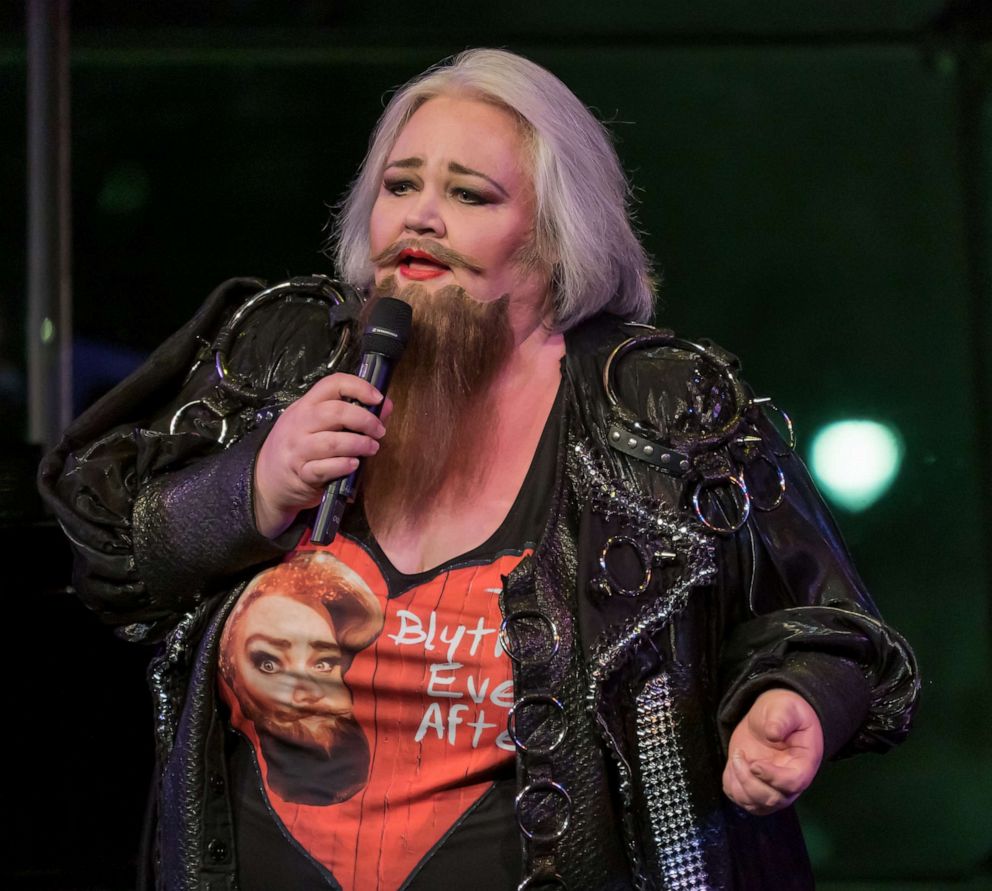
point(793, 611)
point(810, 625)
point(156, 519)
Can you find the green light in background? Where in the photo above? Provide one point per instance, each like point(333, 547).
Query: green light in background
point(855, 462)
point(47, 330)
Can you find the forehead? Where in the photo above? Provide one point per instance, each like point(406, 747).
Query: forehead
point(276, 611)
point(468, 131)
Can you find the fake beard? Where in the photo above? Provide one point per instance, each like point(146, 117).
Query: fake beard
point(314, 772)
point(435, 447)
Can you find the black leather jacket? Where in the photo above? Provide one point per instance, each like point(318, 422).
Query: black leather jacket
point(640, 636)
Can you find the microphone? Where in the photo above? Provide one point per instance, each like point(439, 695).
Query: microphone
point(383, 343)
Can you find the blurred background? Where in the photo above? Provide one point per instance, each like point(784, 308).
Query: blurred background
point(813, 180)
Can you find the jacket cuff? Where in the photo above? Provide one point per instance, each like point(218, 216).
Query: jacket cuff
point(835, 687)
point(197, 524)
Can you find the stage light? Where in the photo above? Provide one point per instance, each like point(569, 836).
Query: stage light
point(855, 461)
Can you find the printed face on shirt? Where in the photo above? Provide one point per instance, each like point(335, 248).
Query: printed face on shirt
point(284, 653)
point(290, 663)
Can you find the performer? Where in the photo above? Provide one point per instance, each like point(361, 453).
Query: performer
point(588, 624)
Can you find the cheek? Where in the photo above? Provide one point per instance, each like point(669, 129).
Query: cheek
point(514, 237)
point(378, 241)
point(336, 694)
point(263, 687)
point(506, 255)
point(379, 234)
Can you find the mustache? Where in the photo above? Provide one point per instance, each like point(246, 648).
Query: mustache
point(439, 252)
point(288, 713)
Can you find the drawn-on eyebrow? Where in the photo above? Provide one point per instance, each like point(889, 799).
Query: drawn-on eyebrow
point(325, 646)
point(405, 163)
point(453, 166)
point(281, 643)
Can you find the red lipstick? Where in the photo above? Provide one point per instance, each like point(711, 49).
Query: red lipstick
point(419, 265)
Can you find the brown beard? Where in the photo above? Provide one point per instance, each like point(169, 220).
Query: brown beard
point(434, 448)
point(319, 771)
point(316, 765)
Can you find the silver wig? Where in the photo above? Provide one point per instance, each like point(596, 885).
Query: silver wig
point(583, 230)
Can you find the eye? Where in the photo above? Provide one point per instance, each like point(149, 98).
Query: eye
point(325, 664)
point(467, 196)
point(398, 187)
point(265, 662)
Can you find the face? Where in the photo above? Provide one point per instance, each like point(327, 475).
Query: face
point(291, 664)
point(456, 206)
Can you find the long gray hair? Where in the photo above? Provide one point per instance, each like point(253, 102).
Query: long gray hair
point(582, 231)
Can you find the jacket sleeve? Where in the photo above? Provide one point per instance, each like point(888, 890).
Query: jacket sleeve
point(809, 625)
point(791, 610)
point(156, 519)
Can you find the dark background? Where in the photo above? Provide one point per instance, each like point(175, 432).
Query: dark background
point(813, 179)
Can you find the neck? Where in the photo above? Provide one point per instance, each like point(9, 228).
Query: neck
point(535, 344)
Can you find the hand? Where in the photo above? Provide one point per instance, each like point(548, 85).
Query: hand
point(775, 752)
point(317, 439)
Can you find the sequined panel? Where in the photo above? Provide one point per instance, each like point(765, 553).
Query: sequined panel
point(673, 826)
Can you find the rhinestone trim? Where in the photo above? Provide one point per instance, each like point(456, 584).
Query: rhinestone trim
point(673, 822)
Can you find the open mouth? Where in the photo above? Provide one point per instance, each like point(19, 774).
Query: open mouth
point(420, 265)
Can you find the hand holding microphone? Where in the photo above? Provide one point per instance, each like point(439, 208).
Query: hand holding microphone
point(319, 439)
point(383, 343)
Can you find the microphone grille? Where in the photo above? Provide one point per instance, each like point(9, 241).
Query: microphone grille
point(388, 328)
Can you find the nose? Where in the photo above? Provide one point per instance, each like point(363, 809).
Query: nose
point(423, 214)
point(306, 691)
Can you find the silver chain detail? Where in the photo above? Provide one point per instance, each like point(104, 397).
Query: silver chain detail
point(651, 519)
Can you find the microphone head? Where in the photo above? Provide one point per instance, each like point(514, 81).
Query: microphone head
point(388, 328)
